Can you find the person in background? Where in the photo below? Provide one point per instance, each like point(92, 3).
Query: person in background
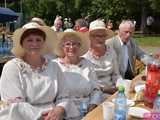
point(68, 23)
point(127, 50)
point(81, 25)
point(38, 20)
point(58, 24)
point(79, 75)
point(31, 85)
point(109, 25)
point(103, 58)
point(149, 24)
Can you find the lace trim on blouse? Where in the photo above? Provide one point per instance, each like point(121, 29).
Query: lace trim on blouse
point(80, 64)
point(25, 67)
point(100, 61)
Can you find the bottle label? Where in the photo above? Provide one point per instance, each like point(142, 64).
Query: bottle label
point(120, 115)
point(83, 109)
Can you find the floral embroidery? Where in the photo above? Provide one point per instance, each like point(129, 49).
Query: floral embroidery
point(26, 68)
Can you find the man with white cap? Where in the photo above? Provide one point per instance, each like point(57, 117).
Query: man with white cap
point(103, 57)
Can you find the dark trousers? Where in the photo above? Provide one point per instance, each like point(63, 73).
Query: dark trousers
point(129, 74)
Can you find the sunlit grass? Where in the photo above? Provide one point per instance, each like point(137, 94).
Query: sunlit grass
point(148, 41)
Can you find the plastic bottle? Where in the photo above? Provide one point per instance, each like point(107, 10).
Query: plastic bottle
point(156, 106)
point(83, 108)
point(121, 105)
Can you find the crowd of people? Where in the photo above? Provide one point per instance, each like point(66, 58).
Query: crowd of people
point(55, 70)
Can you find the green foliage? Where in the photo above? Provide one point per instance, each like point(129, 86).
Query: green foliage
point(155, 5)
point(106, 9)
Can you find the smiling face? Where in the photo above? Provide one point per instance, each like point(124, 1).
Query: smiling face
point(58, 25)
point(71, 46)
point(33, 43)
point(97, 38)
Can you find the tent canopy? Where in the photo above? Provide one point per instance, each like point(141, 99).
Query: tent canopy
point(8, 1)
point(7, 15)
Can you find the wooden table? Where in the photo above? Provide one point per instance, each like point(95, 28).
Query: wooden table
point(97, 113)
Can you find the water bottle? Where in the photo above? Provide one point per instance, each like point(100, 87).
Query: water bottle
point(120, 105)
point(156, 106)
point(83, 108)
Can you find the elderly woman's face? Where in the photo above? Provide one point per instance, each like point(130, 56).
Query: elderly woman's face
point(33, 43)
point(98, 38)
point(71, 46)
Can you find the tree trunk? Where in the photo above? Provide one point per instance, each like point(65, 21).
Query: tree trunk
point(143, 17)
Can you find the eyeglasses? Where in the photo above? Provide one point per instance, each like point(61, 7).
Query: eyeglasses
point(69, 44)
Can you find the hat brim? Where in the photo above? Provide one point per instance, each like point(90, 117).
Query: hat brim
point(51, 37)
point(84, 43)
point(109, 33)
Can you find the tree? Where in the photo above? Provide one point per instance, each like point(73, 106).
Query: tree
point(116, 10)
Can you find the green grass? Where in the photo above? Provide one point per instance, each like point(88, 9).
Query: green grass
point(148, 41)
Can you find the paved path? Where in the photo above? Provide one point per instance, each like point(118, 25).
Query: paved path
point(151, 50)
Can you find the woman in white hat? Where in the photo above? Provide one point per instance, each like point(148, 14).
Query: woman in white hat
point(31, 85)
point(79, 76)
point(103, 57)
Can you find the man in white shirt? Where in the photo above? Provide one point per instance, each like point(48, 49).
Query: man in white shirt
point(127, 50)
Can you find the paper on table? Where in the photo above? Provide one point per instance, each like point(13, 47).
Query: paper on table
point(139, 87)
point(137, 112)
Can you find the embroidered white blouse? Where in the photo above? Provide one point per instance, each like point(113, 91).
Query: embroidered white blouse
point(31, 91)
point(106, 67)
point(80, 83)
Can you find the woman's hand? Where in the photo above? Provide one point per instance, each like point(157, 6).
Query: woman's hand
point(55, 114)
point(109, 90)
point(157, 56)
point(91, 107)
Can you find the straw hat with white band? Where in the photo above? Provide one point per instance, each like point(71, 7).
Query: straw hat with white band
point(84, 42)
point(100, 25)
point(51, 37)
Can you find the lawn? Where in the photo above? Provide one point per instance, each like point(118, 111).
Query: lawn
point(152, 41)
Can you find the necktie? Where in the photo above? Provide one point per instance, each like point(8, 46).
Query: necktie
point(125, 56)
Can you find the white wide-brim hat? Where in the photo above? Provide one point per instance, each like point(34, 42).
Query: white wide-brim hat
point(51, 37)
point(100, 25)
point(84, 41)
point(38, 20)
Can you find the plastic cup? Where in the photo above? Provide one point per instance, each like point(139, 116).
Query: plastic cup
point(108, 110)
point(126, 83)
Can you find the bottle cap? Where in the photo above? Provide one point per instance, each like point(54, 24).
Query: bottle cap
point(158, 93)
point(121, 88)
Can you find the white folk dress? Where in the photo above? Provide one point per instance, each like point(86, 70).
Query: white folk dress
point(80, 83)
point(29, 91)
point(106, 67)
